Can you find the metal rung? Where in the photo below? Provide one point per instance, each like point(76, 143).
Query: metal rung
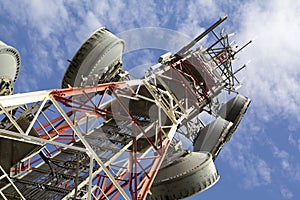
point(2, 177)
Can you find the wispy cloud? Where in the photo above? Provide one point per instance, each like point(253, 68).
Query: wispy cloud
point(286, 193)
point(273, 75)
point(256, 172)
point(288, 163)
point(272, 81)
point(294, 141)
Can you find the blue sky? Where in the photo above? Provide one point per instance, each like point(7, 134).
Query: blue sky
point(262, 160)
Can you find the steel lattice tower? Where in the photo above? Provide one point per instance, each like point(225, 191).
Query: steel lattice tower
point(109, 140)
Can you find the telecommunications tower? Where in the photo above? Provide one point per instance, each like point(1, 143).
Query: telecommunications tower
point(105, 136)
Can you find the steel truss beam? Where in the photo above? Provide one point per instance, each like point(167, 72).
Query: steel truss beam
point(131, 144)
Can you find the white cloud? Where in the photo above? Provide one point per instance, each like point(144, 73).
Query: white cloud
point(46, 17)
point(294, 142)
point(272, 82)
point(289, 165)
point(286, 193)
point(256, 172)
point(273, 75)
point(196, 16)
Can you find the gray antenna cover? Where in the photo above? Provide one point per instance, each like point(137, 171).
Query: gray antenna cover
point(10, 62)
point(97, 56)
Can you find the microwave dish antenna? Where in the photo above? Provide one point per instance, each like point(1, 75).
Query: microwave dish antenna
point(9, 68)
point(97, 60)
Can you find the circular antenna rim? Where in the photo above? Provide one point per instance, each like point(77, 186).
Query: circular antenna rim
point(101, 39)
point(14, 53)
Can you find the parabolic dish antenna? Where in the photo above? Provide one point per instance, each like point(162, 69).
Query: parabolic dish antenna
point(98, 58)
point(185, 175)
point(9, 68)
